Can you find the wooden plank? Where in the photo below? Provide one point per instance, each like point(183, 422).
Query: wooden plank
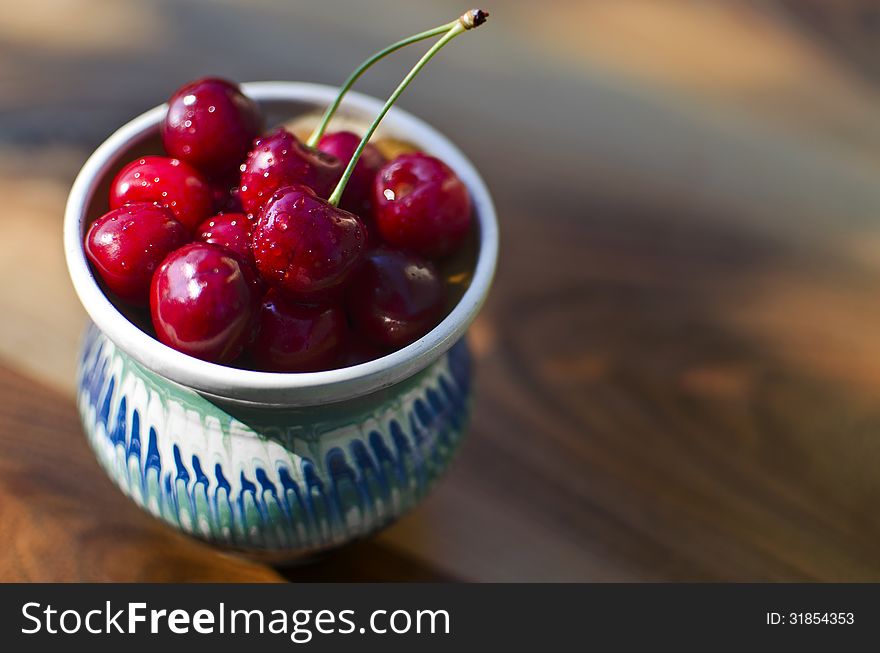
point(62, 520)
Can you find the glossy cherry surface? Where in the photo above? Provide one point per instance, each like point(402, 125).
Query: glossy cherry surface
point(305, 246)
point(280, 160)
point(358, 195)
point(421, 205)
point(167, 182)
point(229, 230)
point(202, 303)
point(395, 298)
point(295, 337)
point(211, 124)
point(127, 244)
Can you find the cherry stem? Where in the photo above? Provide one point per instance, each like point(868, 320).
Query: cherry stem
point(468, 20)
point(360, 70)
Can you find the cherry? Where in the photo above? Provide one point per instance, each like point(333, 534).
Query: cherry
point(396, 298)
point(202, 303)
point(280, 160)
point(358, 195)
point(233, 232)
point(229, 230)
point(421, 205)
point(167, 182)
point(357, 350)
point(305, 246)
point(211, 125)
point(127, 244)
point(296, 337)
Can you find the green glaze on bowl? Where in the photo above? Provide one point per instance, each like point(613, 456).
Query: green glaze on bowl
point(292, 480)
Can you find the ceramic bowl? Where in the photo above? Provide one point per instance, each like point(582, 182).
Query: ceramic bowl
point(266, 462)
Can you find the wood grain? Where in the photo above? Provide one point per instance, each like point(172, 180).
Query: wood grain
point(678, 367)
point(62, 520)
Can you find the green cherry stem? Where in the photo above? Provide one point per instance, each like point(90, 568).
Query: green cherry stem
point(468, 20)
point(360, 70)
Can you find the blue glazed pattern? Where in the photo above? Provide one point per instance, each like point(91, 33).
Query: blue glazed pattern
point(283, 480)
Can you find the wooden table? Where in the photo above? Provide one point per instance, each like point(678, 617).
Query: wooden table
point(679, 366)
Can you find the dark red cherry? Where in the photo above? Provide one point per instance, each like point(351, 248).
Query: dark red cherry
point(280, 160)
point(232, 231)
point(296, 337)
point(395, 298)
point(127, 244)
point(229, 230)
point(211, 124)
point(357, 350)
point(167, 182)
point(421, 205)
point(305, 246)
point(358, 195)
point(202, 303)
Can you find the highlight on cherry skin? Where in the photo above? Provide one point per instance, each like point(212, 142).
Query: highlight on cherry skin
point(280, 160)
point(211, 125)
point(202, 303)
point(421, 205)
point(253, 248)
point(306, 247)
point(229, 230)
point(166, 182)
point(127, 244)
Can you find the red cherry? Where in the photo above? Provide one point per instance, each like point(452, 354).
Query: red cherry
point(167, 182)
point(305, 246)
point(421, 205)
point(280, 160)
point(357, 350)
point(232, 231)
point(202, 303)
point(127, 244)
point(395, 298)
point(229, 230)
point(298, 337)
point(358, 195)
point(211, 124)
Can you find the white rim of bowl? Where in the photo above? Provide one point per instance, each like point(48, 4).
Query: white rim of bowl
point(282, 389)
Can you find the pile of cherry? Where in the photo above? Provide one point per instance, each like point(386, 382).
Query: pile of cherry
point(232, 243)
